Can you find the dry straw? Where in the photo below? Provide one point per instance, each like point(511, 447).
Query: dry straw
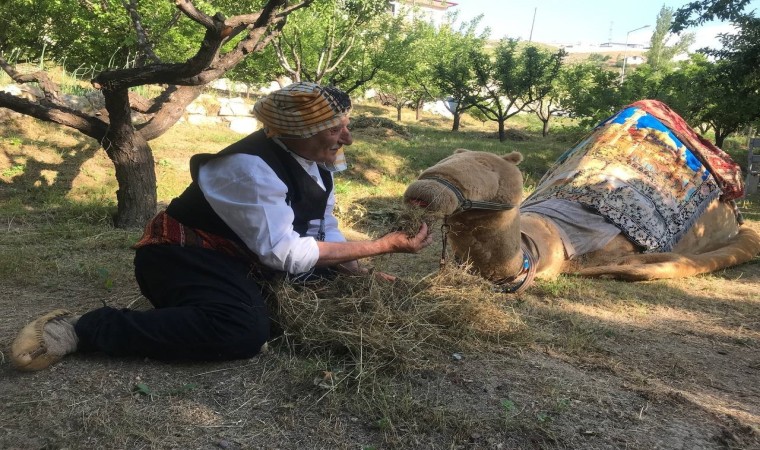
point(392, 327)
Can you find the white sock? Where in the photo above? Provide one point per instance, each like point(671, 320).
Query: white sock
point(60, 337)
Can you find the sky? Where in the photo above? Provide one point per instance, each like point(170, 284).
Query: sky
point(590, 22)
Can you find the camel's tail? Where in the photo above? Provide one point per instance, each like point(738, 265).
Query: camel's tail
point(741, 248)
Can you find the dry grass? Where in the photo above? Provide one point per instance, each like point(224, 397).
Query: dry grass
point(394, 327)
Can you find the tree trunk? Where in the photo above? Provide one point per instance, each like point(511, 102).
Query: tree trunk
point(417, 109)
point(398, 112)
point(720, 138)
point(545, 129)
point(455, 126)
point(502, 134)
point(133, 162)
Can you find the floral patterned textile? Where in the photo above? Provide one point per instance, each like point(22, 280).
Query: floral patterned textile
point(635, 172)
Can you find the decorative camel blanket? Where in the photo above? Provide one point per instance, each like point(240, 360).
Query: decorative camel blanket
point(636, 172)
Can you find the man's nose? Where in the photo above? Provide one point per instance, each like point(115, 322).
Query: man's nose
point(346, 138)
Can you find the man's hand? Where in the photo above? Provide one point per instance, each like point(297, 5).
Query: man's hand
point(334, 253)
point(353, 268)
point(402, 243)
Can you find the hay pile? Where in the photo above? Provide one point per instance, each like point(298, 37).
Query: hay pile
point(393, 327)
point(378, 126)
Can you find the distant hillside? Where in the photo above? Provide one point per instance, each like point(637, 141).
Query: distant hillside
point(574, 57)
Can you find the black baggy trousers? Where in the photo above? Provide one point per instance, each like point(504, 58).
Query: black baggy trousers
point(206, 308)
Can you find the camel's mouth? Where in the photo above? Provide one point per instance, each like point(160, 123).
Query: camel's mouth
point(417, 202)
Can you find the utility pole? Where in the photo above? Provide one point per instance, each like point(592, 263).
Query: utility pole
point(625, 51)
point(532, 24)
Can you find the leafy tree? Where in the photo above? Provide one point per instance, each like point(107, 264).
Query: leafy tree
point(642, 83)
point(660, 54)
point(593, 93)
point(515, 79)
point(336, 40)
point(733, 82)
point(683, 90)
point(224, 43)
point(455, 59)
point(700, 90)
point(556, 101)
point(742, 48)
point(82, 33)
point(409, 80)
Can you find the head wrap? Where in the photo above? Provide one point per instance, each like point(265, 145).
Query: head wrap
point(302, 110)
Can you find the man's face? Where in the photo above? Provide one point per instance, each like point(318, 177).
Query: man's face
point(322, 147)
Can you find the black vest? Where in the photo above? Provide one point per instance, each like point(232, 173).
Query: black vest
point(307, 199)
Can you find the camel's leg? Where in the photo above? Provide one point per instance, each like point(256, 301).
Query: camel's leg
point(739, 249)
point(646, 258)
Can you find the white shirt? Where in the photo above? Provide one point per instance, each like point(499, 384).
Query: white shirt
point(249, 197)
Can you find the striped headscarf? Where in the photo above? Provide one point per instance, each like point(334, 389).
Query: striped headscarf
point(302, 110)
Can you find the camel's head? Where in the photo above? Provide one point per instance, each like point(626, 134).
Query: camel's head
point(479, 176)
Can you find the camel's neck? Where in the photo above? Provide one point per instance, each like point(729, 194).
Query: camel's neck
point(490, 240)
point(549, 248)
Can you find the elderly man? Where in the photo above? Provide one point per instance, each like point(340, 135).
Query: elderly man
point(262, 206)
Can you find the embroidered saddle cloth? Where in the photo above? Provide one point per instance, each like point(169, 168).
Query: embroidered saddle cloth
point(650, 180)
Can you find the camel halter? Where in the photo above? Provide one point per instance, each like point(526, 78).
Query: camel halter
point(530, 264)
point(467, 204)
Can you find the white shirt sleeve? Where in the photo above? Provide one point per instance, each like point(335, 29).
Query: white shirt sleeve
point(332, 233)
point(249, 197)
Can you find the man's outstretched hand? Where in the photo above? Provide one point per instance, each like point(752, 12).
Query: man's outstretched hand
point(347, 253)
point(400, 242)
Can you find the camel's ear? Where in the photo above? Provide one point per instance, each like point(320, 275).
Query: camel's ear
point(514, 157)
point(461, 150)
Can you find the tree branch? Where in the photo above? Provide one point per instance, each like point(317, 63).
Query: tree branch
point(143, 43)
point(91, 126)
point(50, 89)
point(168, 108)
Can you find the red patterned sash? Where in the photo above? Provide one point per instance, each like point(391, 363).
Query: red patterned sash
point(164, 229)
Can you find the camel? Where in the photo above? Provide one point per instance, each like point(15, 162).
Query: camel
point(479, 195)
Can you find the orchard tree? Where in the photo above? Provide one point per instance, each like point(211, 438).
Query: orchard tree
point(455, 59)
point(221, 44)
point(594, 92)
point(735, 76)
point(707, 101)
point(556, 101)
point(408, 81)
point(644, 82)
point(742, 48)
point(516, 79)
point(106, 33)
point(334, 41)
point(387, 46)
point(683, 90)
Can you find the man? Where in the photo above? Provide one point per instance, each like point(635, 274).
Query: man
point(265, 202)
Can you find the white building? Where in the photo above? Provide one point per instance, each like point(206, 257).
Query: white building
point(433, 11)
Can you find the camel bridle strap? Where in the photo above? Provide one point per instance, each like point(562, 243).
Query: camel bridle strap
point(466, 204)
point(505, 285)
point(530, 263)
point(528, 271)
